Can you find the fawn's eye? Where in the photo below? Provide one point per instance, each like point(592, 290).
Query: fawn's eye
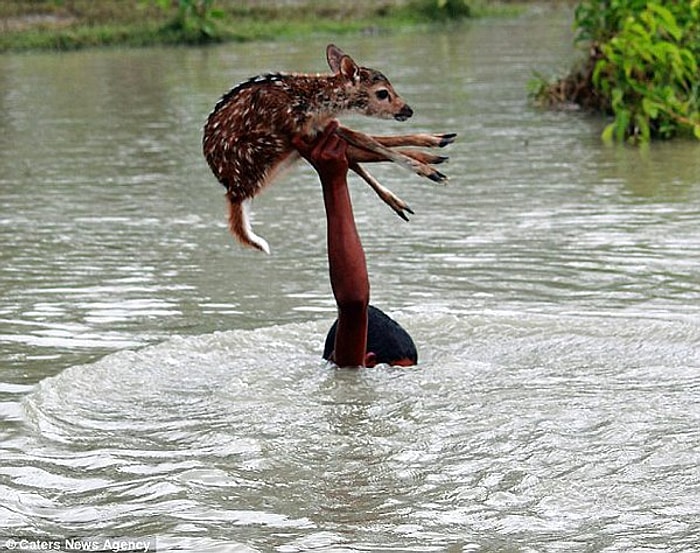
point(382, 94)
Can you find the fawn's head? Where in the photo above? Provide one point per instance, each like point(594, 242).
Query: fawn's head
point(369, 90)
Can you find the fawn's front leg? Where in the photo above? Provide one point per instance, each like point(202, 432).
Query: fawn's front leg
point(419, 140)
point(366, 142)
point(361, 155)
point(389, 198)
point(416, 140)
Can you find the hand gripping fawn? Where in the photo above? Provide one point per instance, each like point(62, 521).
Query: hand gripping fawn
point(248, 137)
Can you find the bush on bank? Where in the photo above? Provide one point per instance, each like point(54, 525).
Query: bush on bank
point(73, 24)
point(641, 67)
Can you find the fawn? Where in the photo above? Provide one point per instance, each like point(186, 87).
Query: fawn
point(247, 137)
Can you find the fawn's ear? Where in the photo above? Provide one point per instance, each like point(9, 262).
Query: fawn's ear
point(333, 56)
point(340, 62)
point(349, 69)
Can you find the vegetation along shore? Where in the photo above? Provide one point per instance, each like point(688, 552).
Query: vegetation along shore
point(641, 66)
point(74, 24)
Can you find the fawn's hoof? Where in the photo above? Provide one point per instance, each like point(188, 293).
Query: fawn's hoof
point(437, 176)
point(447, 138)
point(399, 206)
point(400, 212)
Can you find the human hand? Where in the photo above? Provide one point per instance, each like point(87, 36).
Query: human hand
point(327, 153)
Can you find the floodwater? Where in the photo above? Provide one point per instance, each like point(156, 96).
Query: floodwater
point(158, 381)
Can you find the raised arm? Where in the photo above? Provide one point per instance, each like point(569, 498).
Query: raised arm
point(346, 258)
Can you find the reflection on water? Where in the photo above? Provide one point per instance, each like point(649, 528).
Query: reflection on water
point(159, 380)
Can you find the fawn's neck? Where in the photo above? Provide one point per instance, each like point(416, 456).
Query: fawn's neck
point(320, 96)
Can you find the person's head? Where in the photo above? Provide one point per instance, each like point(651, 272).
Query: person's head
point(387, 341)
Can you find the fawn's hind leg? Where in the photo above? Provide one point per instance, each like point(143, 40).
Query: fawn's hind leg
point(391, 199)
point(366, 142)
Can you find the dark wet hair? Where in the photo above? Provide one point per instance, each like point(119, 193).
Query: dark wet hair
point(385, 338)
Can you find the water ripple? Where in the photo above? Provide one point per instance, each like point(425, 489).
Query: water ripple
point(553, 434)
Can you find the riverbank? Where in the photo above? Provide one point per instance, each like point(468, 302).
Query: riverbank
point(75, 24)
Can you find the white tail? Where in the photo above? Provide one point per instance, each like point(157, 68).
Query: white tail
point(239, 225)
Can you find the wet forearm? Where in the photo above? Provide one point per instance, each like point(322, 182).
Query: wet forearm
point(346, 258)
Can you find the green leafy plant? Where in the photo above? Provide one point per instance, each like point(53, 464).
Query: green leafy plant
point(441, 10)
point(642, 68)
point(196, 20)
point(650, 76)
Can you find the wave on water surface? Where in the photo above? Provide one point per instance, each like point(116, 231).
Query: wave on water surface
point(514, 426)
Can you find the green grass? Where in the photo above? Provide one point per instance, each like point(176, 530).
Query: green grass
point(73, 24)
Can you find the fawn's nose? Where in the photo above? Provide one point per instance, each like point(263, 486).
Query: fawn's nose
point(404, 113)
